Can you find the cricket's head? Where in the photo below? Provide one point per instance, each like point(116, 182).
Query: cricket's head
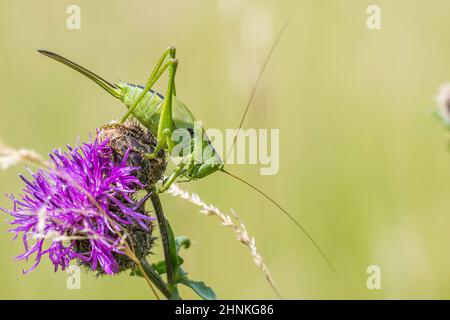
point(111, 88)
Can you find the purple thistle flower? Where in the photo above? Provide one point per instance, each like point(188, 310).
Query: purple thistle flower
point(82, 206)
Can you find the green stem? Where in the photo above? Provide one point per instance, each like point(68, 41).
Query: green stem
point(164, 235)
point(155, 278)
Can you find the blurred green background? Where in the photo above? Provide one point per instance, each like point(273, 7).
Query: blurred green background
point(363, 165)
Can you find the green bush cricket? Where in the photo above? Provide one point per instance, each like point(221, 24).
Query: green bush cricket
point(162, 115)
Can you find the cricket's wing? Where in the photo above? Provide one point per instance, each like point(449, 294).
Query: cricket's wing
point(182, 116)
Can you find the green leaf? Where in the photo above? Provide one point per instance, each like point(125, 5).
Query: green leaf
point(154, 277)
point(136, 273)
point(172, 246)
point(200, 288)
point(175, 294)
point(182, 242)
point(160, 266)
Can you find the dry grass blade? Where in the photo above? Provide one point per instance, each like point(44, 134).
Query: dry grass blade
point(10, 157)
point(234, 222)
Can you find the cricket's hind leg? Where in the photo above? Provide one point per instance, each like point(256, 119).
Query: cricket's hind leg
point(159, 69)
point(165, 125)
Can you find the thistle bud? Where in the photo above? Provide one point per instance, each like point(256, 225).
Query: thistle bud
point(138, 141)
point(140, 240)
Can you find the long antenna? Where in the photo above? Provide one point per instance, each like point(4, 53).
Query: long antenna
point(266, 61)
point(322, 253)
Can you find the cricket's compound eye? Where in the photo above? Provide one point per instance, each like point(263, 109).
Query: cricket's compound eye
point(132, 136)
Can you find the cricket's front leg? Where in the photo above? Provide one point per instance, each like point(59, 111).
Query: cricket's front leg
point(172, 178)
